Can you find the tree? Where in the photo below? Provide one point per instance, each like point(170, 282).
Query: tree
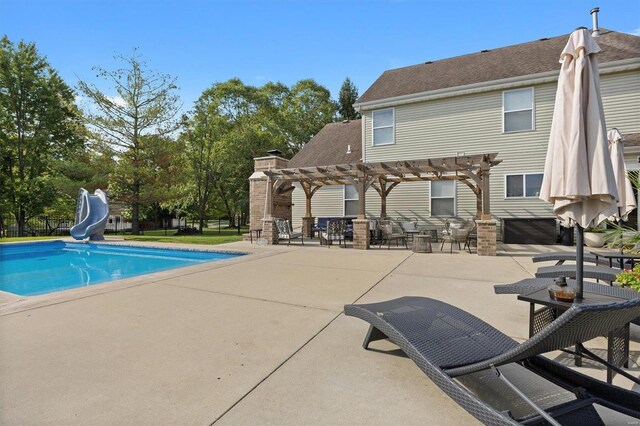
point(39, 126)
point(233, 123)
point(307, 108)
point(346, 98)
point(203, 143)
point(145, 108)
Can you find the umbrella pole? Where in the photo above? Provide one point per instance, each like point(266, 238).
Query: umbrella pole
point(579, 260)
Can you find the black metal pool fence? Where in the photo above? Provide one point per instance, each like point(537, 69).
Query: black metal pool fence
point(49, 226)
point(44, 226)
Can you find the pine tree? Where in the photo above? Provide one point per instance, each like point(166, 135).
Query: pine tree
point(347, 97)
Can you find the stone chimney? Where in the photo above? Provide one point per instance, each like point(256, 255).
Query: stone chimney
point(258, 191)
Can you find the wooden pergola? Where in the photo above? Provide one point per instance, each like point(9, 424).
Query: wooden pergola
point(471, 170)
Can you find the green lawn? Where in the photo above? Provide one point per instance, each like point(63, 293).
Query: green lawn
point(210, 236)
point(14, 239)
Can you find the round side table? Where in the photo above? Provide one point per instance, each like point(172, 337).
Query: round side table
point(422, 244)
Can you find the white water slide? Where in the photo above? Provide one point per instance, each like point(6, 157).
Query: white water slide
point(92, 213)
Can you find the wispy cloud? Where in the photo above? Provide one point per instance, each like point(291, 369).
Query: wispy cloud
point(117, 100)
point(636, 32)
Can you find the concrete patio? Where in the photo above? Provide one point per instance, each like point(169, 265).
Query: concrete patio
point(258, 340)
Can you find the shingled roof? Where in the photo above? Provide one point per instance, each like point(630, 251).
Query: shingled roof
point(330, 146)
point(511, 61)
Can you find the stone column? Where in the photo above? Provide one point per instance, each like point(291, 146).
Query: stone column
point(486, 237)
point(361, 234)
point(307, 226)
point(270, 231)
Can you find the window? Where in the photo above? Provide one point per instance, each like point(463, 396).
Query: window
point(383, 121)
point(523, 185)
point(443, 198)
point(350, 200)
point(517, 107)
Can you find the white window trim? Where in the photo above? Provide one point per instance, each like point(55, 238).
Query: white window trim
point(532, 109)
point(455, 200)
point(345, 199)
point(524, 186)
point(374, 128)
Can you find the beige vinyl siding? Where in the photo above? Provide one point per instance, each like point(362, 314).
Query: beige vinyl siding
point(328, 201)
point(473, 124)
point(621, 101)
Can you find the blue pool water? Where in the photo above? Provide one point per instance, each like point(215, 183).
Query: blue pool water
point(28, 269)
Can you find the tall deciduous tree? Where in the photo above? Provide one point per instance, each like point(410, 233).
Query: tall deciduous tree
point(203, 147)
point(306, 109)
point(145, 108)
point(346, 98)
point(39, 125)
point(233, 123)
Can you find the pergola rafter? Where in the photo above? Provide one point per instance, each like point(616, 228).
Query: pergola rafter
point(472, 170)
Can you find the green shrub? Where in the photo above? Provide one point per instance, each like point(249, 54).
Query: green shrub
point(630, 278)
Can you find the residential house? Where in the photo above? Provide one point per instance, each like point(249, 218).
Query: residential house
point(498, 100)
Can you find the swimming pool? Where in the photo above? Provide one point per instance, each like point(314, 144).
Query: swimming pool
point(28, 269)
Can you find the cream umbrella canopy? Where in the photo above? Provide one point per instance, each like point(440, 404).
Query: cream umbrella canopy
point(627, 198)
point(578, 175)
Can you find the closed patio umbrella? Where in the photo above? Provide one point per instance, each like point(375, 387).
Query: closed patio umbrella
point(578, 175)
point(626, 195)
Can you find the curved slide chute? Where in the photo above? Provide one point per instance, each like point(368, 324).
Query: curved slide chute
point(92, 214)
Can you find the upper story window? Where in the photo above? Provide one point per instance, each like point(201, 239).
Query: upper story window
point(351, 202)
point(383, 126)
point(518, 111)
point(443, 197)
point(525, 185)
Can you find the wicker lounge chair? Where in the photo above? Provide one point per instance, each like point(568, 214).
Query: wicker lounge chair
point(285, 232)
point(603, 273)
point(530, 285)
point(560, 257)
point(497, 380)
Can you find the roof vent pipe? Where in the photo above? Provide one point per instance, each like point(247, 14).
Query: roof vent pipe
point(594, 15)
point(348, 149)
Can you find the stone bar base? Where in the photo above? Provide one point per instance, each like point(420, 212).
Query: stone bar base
point(270, 232)
point(486, 237)
point(307, 226)
point(361, 234)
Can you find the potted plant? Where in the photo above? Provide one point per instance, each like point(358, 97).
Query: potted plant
point(595, 237)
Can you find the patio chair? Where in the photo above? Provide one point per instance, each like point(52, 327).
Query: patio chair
point(493, 377)
point(285, 232)
point(390, 233)
point(458, 234)
point(335, 232)
point(409, 227)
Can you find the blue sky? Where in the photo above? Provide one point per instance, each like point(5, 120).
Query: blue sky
point(202, 42)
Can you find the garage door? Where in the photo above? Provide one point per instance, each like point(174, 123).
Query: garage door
point(529, 231)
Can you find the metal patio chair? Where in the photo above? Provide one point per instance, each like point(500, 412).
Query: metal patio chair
point(285, 232)
point(335, 232)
